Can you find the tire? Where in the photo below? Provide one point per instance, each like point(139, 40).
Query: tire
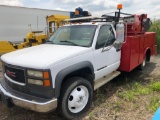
point(142, 65)
point(76, 97)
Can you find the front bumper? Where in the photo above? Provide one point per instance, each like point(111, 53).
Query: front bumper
point(30, 104)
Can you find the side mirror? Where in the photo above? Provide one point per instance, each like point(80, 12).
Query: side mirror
point(120, 32)
point(117, 45)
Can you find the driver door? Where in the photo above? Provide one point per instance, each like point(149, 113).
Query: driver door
point(107, 59)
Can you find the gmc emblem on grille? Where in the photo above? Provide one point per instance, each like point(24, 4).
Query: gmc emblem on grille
point(11, 74)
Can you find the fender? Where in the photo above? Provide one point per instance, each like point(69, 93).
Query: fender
point(63, 73)
point(148, 48)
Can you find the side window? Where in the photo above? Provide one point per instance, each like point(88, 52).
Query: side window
point(106, 36)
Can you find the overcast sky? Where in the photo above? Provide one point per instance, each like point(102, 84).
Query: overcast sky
point(96, 7)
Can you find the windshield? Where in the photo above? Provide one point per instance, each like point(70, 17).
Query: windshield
point(78, 35)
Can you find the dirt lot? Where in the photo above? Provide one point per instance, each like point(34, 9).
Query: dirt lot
point(110, 101)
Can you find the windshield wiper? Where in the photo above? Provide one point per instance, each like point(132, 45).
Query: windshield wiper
point(69, 42)
point(49, 42)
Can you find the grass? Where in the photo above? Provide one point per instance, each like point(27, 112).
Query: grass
point(156, 86)
point(99, 97)
point(117, 105)
point(138, 90)
point(143, 91)
point(127, 95)
point(91, 116)
point(154, 103)
point(141, 96)
point(155, 27)
point(138, 97)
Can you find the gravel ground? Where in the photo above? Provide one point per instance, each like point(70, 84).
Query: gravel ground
point(103, 107)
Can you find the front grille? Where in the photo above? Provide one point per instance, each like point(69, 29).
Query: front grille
point(18, 87)
point(28, 90)
point(15, 74)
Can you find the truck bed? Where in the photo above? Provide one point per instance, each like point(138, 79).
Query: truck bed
point(134, 50)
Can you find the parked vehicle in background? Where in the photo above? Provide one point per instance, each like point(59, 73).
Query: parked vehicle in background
point(34, 37)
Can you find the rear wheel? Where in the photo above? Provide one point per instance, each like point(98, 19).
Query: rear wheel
point(76, 97)
point(142, 65)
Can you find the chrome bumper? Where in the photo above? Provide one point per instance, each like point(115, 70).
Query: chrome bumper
point(31, 105)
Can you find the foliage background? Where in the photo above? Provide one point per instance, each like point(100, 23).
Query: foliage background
point(155, 27)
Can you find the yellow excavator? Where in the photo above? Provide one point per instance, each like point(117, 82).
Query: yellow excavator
point(35, 37)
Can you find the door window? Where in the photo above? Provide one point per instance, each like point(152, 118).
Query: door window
point(106, 36)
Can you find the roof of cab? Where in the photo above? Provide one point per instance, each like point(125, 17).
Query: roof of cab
point(87, 23)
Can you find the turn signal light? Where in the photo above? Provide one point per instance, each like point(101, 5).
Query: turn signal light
point(45, 75)
point(46, 83)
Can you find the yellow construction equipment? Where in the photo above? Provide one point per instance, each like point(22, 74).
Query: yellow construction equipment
point(35, 37)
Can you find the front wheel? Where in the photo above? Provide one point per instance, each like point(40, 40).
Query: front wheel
point(76, 96)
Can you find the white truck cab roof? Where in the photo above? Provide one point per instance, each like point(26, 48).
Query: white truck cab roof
point(89, 23)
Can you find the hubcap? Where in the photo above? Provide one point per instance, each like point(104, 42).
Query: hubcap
point(78, 99)
point(144, 63)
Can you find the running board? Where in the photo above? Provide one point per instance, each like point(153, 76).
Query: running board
point(98, 83)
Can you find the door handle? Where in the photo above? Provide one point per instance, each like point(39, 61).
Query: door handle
point(107, 49)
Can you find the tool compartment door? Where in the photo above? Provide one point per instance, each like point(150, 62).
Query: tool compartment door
point(135, 50)
point(131, 53)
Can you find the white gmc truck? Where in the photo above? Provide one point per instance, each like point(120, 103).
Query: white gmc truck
point(63, 73)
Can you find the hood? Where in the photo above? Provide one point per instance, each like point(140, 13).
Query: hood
point(41, 55)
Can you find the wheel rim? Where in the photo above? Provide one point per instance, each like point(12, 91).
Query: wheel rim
point(144, 63)
point(78, 99)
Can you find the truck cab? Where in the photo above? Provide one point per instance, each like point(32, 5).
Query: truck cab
point(98, 38)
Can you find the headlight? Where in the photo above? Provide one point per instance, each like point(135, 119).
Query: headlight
point(44, 78)
point(36, 82)
point(33, 73)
